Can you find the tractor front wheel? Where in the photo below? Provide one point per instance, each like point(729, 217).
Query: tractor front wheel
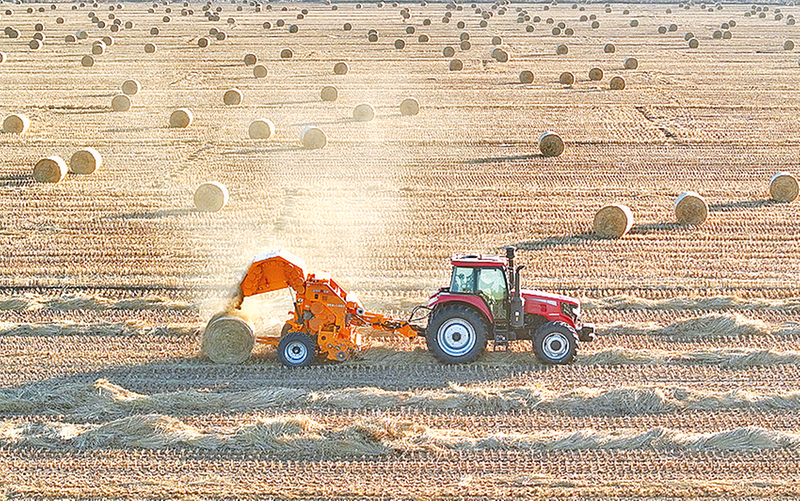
point(296, 349)
point(555, 343)
point(456, 334)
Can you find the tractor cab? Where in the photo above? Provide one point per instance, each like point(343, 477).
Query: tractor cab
point(485, 277)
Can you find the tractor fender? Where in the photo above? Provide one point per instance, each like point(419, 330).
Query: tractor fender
point(471, 300)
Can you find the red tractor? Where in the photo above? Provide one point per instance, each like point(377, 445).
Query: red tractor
point(484, 302)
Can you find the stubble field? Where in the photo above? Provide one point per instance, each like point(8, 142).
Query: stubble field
point(107, 279)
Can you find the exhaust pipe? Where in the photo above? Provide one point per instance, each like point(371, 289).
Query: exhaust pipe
point(517, 316)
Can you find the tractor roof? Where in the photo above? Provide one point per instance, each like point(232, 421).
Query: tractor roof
point(478, 260)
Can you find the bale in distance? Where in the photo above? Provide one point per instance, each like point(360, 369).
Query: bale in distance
point(448, 52)
point(50, 170)
point(399, 44)
point(525, 76)
point(81, 35)
point(227, 339)
point(609, 48)
point(87, 61)
point(617, 83)
point(210, 197)
point(783, 187)
point(662, 30)
point(566, 78)
point(329, 93)
point(500, 55)
point(551, 144)
point(260, 71)
point(788, 45)
point(456, 65)
point(181, 118)
point(409, 107)
point(16, 123)
point(691, 208)
point(232, 97)
point(85, 161)
point(121, 102)
point(613, 221)
point(562, 49)
point(250, 59)
point(595, 74)
point(261, 128)
point(131, 87)
point(35, 44)
point(631, 63)
point(203, 42)
point(363, 112)
point(98, 48)
point(149, 48)
point(313, 138)
point(286, 54)
point(340, 68)
point(694, 43)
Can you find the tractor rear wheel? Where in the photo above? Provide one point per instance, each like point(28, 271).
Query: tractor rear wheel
point(456, 334)
point(296, 349)
point(555, 343)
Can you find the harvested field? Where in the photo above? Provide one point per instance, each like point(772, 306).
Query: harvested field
point(106, 280)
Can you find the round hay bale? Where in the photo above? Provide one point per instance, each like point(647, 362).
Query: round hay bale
point(35, 44)
point(551, 144)
point(149, 48)
point(85, 161)
point(81, 34)
point(98, 49)
point(38, 36)
point(329, 93)
point(286, 54)
point(465, 45)
point(496, 40)
point(717, 34)
point(372, 37)
point(16, 123)
point(154, 31)
point(556, 31)
point(672, 27)
point(232, 97)
point(181, 118)
point(210, 197)
point(634, 23)
point(500, 55)
point(260, 71)
point(694, 43)
point(347, 27)
point(662, 30)
point(609, 48)
point(50, 170)
point(727, 35)
point(783, 187)
point(613, 221)
point(203, 42)
point(313, 138)
point(363, 112)
point(595, 25)
point(562, 49)
point(788, 45)
point(227, 339)
point(221, 36)
point(131, 87)
point(261, 128)
point(525, 76)
point(121, 102)
point(631, 63)
point(456, 65)
point(691, 208)
point(423, 38)
point(340, 68)
point(108, 41)
point(566, 78)
point(409, 107)
point(294, 28)
point(617, 83)
point(399, 44)
point(70, 39)
point(448, 52)
point(595, 74)
point(688, 36)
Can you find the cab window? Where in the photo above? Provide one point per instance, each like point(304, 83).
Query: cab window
point(492, 283)
point(463, 280)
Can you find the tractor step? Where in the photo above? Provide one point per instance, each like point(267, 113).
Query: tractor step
point(500, 341)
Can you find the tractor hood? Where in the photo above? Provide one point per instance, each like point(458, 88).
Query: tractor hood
point(547, 297)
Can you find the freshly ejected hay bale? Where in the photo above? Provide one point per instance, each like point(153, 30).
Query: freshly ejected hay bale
point(313, 138)
point(566, 78)
point(260, 71)
point(261, 128)
point(409, 107)
point(149, 48)
point(16, 123)
point(232, 97)
point(609, 48)
point(617, 83)
point(551, 144)
point(631, 63)
point(613, 221)
point(50, 170)
point(87, 61)
point(525, 76)
point(131, 87)
point(562, 49)
point(340, 68)
point(121, 102)
point(456, 65)
point(250, 59)
point(595, 74)
point(181, 118)
point(691, 208)
point(227, 339)
point(210, 197)
point(783, 187)
point(85, 161)
point(363, 112)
